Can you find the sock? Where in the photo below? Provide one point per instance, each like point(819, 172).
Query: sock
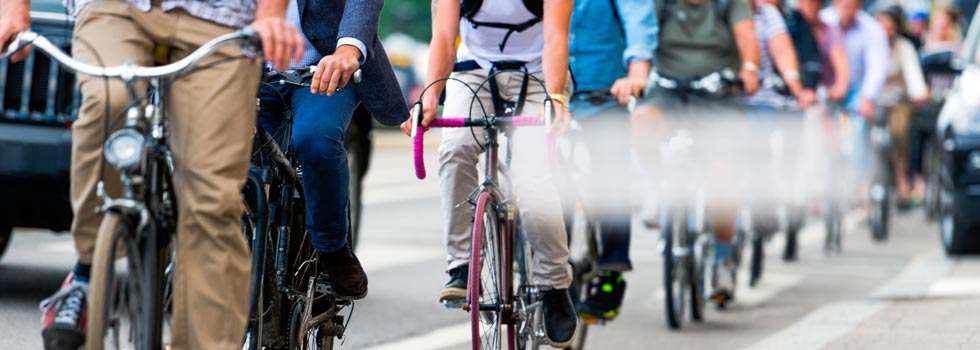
point(723, 251)
point(82, 271)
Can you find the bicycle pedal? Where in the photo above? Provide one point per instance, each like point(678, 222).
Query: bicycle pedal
point(453, 304)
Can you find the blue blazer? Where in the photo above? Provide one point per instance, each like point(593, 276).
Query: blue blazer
point(324, 21)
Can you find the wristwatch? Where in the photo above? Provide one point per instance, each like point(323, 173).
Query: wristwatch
point(750, 66)
point(560, 98)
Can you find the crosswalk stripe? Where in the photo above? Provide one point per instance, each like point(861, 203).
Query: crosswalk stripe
point(442, 338)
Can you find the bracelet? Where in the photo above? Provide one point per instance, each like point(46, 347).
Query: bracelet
point(792, 75)
point(560, 98)
point(750, 66)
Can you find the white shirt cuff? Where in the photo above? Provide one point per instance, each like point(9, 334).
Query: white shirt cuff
point(355, 43)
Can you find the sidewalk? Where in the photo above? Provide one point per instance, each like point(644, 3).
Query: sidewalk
point(933, 304)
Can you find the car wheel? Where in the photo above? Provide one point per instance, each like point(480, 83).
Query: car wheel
point(956, 239)
point(5, 232)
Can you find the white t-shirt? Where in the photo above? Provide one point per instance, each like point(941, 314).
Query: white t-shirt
point(482, 44)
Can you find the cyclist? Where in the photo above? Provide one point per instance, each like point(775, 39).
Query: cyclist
point(905, 85)
point(699, 41)
point(866, 47)
point(833, 72)
point(531, 36)
point(610, 53)
point(336, 40)
point(212, 126)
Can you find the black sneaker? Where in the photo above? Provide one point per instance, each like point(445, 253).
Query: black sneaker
point(560, 321)
point(455, 289)
point(346, 276)
point(605, 297)
point(63, 316)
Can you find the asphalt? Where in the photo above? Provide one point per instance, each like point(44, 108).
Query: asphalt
point(900, 294)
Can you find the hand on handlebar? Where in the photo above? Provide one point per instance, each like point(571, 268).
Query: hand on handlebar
point(335, 71)
point(281, 42)
point(429, 109)
point(866, 108)
point(750, 81)
point(14, 20)
point(627, 87)
point(562, 118)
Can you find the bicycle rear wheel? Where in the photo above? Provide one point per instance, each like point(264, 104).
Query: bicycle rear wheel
point(483, 287)
point(116, 316)
point(676, 255)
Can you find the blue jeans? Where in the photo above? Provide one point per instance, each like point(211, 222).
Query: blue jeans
point(606, 133)
point(319, 126)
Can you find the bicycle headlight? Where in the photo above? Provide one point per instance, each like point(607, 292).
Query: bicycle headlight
point(124, 149)
point(973, 162)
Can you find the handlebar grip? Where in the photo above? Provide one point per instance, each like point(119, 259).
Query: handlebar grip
point(418, 141)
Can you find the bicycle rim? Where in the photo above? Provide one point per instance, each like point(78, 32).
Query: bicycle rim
point(115, 320)
point(483, 278)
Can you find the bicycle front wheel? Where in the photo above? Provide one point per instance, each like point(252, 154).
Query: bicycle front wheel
point(483, 287)
point(115, 318)
point(674, 232)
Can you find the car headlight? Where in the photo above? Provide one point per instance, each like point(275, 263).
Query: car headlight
point(124, 149)
point(973, 162)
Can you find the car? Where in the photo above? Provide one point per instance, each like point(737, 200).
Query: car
point(38, 103)
point(958, 131)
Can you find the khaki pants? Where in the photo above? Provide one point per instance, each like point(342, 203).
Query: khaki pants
point(531, 178)
point(212, 115)
point(899, 123)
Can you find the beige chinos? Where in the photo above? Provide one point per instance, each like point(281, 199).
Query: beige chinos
point(531, 177)
point(212, 116)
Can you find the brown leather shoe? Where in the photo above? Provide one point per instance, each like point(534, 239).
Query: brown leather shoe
point(346, 276)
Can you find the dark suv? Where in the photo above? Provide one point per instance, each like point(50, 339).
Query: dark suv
point(39, 102)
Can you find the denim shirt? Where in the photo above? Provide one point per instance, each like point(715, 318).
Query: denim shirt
point(601, 47)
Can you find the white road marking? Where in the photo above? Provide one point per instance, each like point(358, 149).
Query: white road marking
point(821, 327)
point(61, 247)
point(955, 287)
point(375, 257)
point(915, 278)
point(451, 336)
point(401, 193)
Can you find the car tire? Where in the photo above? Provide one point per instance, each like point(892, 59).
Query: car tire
point(956, 238)
point(5, 232)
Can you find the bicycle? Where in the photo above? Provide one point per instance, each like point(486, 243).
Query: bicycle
point(687, 243)
point(291, 306)
point(130, 300)
point(500, 289)
point(583, 229)
point(882, 180)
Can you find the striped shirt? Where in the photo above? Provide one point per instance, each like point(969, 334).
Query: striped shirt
point(232, 13)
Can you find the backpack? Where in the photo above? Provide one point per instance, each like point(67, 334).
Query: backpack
point(721, 8)
point(469, 8)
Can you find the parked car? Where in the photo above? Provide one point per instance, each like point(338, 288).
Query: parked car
point(958, 129)
point(39, 102)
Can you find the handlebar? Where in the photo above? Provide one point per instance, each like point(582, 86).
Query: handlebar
point(129, 71)
point(418, 139)
point(300, 76)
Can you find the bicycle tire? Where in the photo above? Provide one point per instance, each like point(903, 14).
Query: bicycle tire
point(485, 325)
point(757, 260)
point(700, 262)
point(675, 281)
point(791, 250)
point(5, 233)
point(114, 230)
point(879, 220)
point(524, 329)
point(254, 230)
